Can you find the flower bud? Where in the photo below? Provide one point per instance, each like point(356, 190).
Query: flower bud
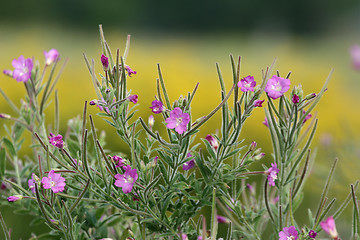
point(151, 122)
point(295, 99)
point(5, 116)
point(298, 91)
point(310, 96)
point(252, 146)
point(8, 73)
point(93, 102)
point(15, 198)
point(259, 156)
point(133, 98)
point(51, 56)
point(105, 62)
point(213, 142)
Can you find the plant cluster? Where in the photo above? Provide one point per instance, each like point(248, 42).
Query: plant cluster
point(161, 188)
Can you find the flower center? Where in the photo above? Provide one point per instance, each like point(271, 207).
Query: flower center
point(178, 121)
point(52, 183)
point(129, 180)
point(277, 87)
point(247, 84)
point(290, 237)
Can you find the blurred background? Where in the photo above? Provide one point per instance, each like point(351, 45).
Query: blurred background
point(187, 38)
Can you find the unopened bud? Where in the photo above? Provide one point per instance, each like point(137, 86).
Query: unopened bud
point(93, 102)
point(310, 96)
point(105, 62)
point(15, 198)
point(259, 156)
point(8, 73)
point(295, 99)
point(252, 146)
point(151, 121)
point(5, 116)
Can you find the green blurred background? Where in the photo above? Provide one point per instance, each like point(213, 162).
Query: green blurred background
point(187, 38)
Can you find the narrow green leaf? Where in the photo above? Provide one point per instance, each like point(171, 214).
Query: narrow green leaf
point(10, 147)
point(167, 101)
point(2, 163)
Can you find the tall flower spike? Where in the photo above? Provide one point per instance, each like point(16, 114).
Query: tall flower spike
point(277, 86)
point(54, 181)
point(126, 181)
point(247, 84)
point(51, 56)
point(329, 227)
point(23, 68)
point(178, 120)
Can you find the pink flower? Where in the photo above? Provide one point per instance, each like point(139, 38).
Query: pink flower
point(288, 233)
point(14, 198)
point(54, 181)
point(258, 103)
point(23, 68)
point(329, 227)
point(265, 122)
point(105, 62)
point(222, 219)
point(213, 142)
point(56, 140)
point(184, 237)
point(355, 56)
point(51, 56)
point(133, 98)
point(189, 164)
point(178, 120)
point(157, 106)
point(277, 86)
point(31, 182)
point(247, 84)
point(295, 99)
point(251, 188)
point(307, 116)
point(312, 234)
point(272, 174)
point(119, 162)
point(126, 180)
point(129, 70)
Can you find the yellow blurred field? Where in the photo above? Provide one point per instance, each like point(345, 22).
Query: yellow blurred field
point(186, 60)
